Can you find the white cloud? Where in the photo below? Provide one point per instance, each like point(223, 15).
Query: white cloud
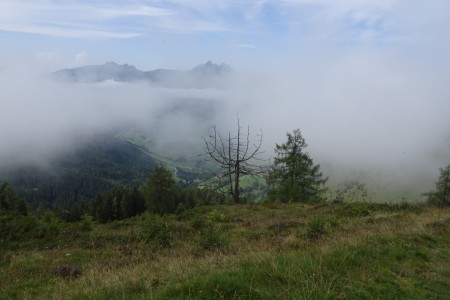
point(83, 20)
point(81, 58)
point(146, 11)
point(342, 21)
point(47, 57)
point(69, 32)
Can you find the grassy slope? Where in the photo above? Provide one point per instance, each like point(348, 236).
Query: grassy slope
point(367, 252)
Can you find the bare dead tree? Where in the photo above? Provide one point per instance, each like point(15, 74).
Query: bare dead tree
point(236, 156)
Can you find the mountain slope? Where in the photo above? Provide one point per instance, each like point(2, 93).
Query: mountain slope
point(202, 76)
point(79, 176)
point(99, 73)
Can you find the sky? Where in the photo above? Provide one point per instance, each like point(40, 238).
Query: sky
point(365, 81)
point(178, 34)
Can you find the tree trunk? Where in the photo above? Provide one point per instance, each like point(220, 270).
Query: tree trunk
point(236, 195)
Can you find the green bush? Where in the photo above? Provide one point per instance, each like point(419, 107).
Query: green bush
point(315, 229)
point(197, 222)
point(155, 231)
point(211, 237)
point(14, 228)
point(48, 228)
point(216, 216)
point(180, 209)
point(86, 223)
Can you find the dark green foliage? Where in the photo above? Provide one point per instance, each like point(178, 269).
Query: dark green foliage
point(161, 191)
point(212, 237)
point(315, 229)
point(87, 223)
point(294, 177)
point(215, 216)
point(26, 228)
point(10, 202)
point(95, 166)
point(71, 212)
point(180, 209)
point(15, 222)
point(198, 222)
point(18, 227)
point(441, 195)
point(155, 230)
point(185, 198)
point(50, 225)
point(120, 203)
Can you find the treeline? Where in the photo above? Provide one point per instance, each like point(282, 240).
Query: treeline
point(160, 194)
point(17, 223)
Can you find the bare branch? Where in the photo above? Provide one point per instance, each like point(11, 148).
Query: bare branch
point(234, 155)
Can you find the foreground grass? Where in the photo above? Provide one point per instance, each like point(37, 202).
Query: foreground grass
point(275, 251)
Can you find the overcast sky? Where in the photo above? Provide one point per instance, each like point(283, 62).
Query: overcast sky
point(365, 81)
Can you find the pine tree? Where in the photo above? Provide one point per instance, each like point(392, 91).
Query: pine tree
point(441, 196)
point(121, 203)
point(10, 202)
point(293, 176)
point(161, 191)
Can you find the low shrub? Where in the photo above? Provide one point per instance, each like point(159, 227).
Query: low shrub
point(156, 231)
point(215, 216)
point(212, 237)
point(86, 223)
point(315, 229)
point(197, 222)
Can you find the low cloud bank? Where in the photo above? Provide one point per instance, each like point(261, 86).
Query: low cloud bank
point(373, 113)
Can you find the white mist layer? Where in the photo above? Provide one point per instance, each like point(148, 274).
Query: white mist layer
point(373, 117)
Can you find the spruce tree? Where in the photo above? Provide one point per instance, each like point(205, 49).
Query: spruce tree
point(293, 176)
point(10, 202)
point(161, 191)
point(441, 196)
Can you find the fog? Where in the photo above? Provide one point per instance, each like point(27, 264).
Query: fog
point(378, 117)
point(41, 118)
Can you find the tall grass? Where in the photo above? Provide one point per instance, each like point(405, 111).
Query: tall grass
point(273, 251)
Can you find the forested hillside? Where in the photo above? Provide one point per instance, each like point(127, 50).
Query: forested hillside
point(79, 175)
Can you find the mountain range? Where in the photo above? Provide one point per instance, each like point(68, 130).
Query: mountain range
point(206, 75)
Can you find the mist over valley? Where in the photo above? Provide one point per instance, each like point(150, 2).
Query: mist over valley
point(383, 135)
